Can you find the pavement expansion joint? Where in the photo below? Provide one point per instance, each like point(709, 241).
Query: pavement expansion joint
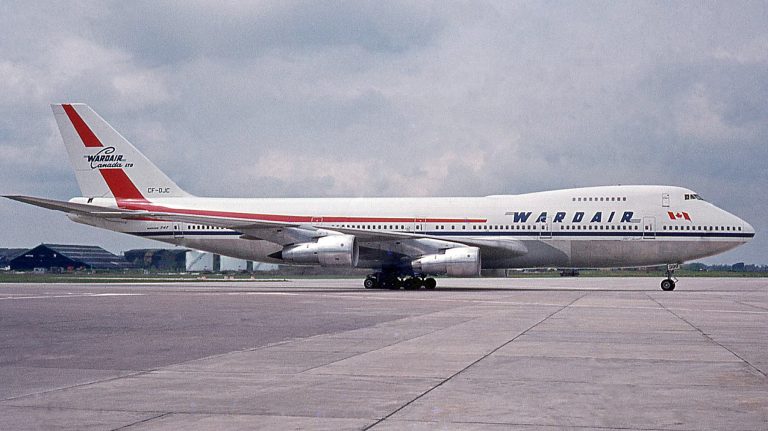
point(143, 421)
point(387, 345)
point(442, 382)
point(752, 305)
point(78, 385)
point(712, 340)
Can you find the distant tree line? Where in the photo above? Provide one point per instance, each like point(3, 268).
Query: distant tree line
point(736, 267)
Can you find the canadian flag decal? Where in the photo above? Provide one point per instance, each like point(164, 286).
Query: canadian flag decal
point(679, 215)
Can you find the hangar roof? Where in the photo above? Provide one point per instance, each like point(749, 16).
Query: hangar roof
point(6, 254)
point(90, 256)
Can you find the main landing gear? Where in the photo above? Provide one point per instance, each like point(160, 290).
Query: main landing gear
point(668, 283)
point(391, 281)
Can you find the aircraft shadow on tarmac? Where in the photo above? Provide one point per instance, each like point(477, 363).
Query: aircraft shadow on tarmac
point(436, 290)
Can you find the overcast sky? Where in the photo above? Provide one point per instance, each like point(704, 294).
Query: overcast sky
point(391, 99)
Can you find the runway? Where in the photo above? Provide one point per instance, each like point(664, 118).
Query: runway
point(530, 354)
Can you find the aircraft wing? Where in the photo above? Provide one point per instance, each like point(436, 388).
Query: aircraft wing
point(281, 233)
point(508, 246)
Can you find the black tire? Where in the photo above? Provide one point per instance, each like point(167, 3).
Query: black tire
point(430, 283)
point(667, 285)
point(391, 283)
point(370, 283)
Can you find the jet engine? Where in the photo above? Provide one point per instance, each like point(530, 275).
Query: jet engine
point(455, 262)
point(331, 250)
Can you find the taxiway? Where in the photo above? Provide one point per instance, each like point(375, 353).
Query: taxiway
point(327, 354)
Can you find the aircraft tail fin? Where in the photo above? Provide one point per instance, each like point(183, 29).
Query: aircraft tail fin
point(105, 163)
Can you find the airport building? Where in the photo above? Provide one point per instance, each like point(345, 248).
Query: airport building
point(201, 261)
point(158, 259)
point(7, 254)
point(62, 257)
point(182, 259)
point(67, 257)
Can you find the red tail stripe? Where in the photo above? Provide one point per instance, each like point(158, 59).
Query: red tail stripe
point(87, 136)
point(121, 186)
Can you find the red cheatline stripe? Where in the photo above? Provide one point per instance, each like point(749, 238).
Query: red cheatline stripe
point(87, 136)
point(142, 204)
point(121, 186)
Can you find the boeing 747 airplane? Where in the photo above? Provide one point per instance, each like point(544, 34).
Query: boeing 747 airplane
point(404, 241)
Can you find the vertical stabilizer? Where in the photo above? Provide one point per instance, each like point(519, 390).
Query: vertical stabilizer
point(105, 163)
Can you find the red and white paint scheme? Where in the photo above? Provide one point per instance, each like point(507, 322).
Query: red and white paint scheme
point(404, 241)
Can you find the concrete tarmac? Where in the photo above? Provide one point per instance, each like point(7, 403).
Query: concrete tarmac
point(607, 353)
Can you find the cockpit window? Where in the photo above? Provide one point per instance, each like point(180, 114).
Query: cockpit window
point(693, 196)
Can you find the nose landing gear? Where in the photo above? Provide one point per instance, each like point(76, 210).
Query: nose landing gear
point(668, 284)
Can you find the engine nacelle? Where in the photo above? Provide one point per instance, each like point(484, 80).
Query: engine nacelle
point(331, 250)
point(455, 262)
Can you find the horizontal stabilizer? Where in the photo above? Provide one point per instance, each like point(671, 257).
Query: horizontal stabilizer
point(164, 214)
point(71, 207)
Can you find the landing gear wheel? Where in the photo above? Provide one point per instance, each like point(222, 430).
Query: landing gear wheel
point(667, 285)
point(410, 284)
point(391, 283)
point(430, 283)
point(370, 283)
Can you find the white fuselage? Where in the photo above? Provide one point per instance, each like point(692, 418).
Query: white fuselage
point(612, 226)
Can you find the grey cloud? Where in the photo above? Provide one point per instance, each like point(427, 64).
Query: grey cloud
point(373, 99)
point(240, 32)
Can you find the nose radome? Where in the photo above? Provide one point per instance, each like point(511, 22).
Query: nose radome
point(748, 227)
